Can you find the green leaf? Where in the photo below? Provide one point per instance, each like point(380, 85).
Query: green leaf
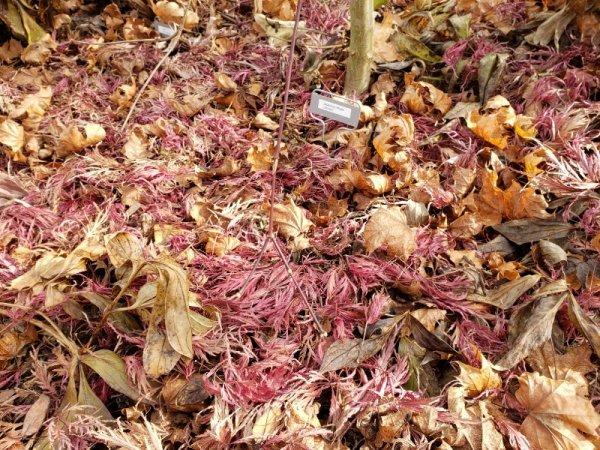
point(379, 3)
point(112, 369)
point(34, 31)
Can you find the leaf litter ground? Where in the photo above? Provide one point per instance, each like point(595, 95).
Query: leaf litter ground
point(448, 247)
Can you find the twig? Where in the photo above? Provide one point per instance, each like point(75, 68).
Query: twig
point(271, 228)
point(174, 41)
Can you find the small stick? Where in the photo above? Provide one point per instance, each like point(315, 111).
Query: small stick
point(174, 41)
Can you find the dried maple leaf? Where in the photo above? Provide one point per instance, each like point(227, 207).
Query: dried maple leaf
point(12, 135)
point(173, 13)
point(388, 226)
point(385, 51)
point(558, 417)
point(72, 140)
point(220, 245)
point(424, 98)
point(291, 223)
point(493, 123)
point(476, 380)
point(395, 133)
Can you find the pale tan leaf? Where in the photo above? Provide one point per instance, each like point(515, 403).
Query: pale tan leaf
point(264, 122)
point(268, 422)
point(291, 220)
point(388, 226)
point(35, 416)
point(123, 247)
point(173, 13)
point(72, 140)
point(558, 418)
point(88, 402)
point(159, 356)
point(111, 368)
point(12, 135)
point(477, 380)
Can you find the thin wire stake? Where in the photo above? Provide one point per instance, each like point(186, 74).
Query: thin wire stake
point(271, 228)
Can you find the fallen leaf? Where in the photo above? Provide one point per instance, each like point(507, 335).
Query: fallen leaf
point(505, 296)
point(349, 353)
point(221, 245)
point(225, 83)
point(493, 123)
point(264, 122)
point(585, 325)
point(385, 51)
point(558, 418)
point(572, 366)
point(13, 341)
point(171, 12)
point(532, 230)
point(123, 95)
point(372, 183)
point(260, 156)
point(32, 109)
point(88, 403)
point(187, 395)
point(112, 369)
point(424, 98)
point(72, 140)
point(388, 226)
point(122, 248)
point(12, 135)
point(533, 332)
point(10, 189)
point(36, 415)
point(38, 52)
point(159, 356)
point(268, 422)
point(10, 50)
point(137, 145)
point(291, 222)
point(477, 380)
point(282, 9)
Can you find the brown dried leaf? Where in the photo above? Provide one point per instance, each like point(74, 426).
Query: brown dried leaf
point(493, 123)
point(534, 331)
point(388, 226)
point(13, 341)
point(532, 230)
point(225, 83)
point(264, 122)
point(159, 356)
point(572, 366)
point(373, 183)
point(507, 294)
point(268, 422)
point(558, 418)
point(137, 146)
point(221, 245)
point(88, 402)
point(585, 325)
point(185, 395)
point(291, 220)
point(112, 369)
point(424, 98)
point(123, 247)
point(12, 135)
point(173, 13)
point(349, 353)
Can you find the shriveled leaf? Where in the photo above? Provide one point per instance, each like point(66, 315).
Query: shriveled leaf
point(88, 401)
point(551, 253)
point(585, 325)
point(174, 293)
point(349, 353)
point(185, 395)
point(172, 12)
point(111, 368)
point(507, 294)
point(428, 339)
point(123, 247)
point(72, 140)
point(413, 47)
point(13, 341)
point(536, 329)
point(121, 320)
point(159, 356)
point(572, 366)
point(201, 324)
point(558, 418)
point(491, 68)
point(291, 220)
point(532, 230)
point(35, 416)
point(10, 189)
point(268, 422)
point(477, 380)
point(12, 135)
point(388, 226)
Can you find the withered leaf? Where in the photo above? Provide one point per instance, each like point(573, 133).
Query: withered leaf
point(35, 416)
point(506, 295)
point(585, 325)
point(185, 394)
point(476, 380)
point(389, 226)
point(349, 353)
point(123, 247)
point(173, 293)
point(427, 339)
point(159, 356)
point(536, 329)
point(111, 368)
point(88, 401)
point(524, 231)
point(558, 418)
